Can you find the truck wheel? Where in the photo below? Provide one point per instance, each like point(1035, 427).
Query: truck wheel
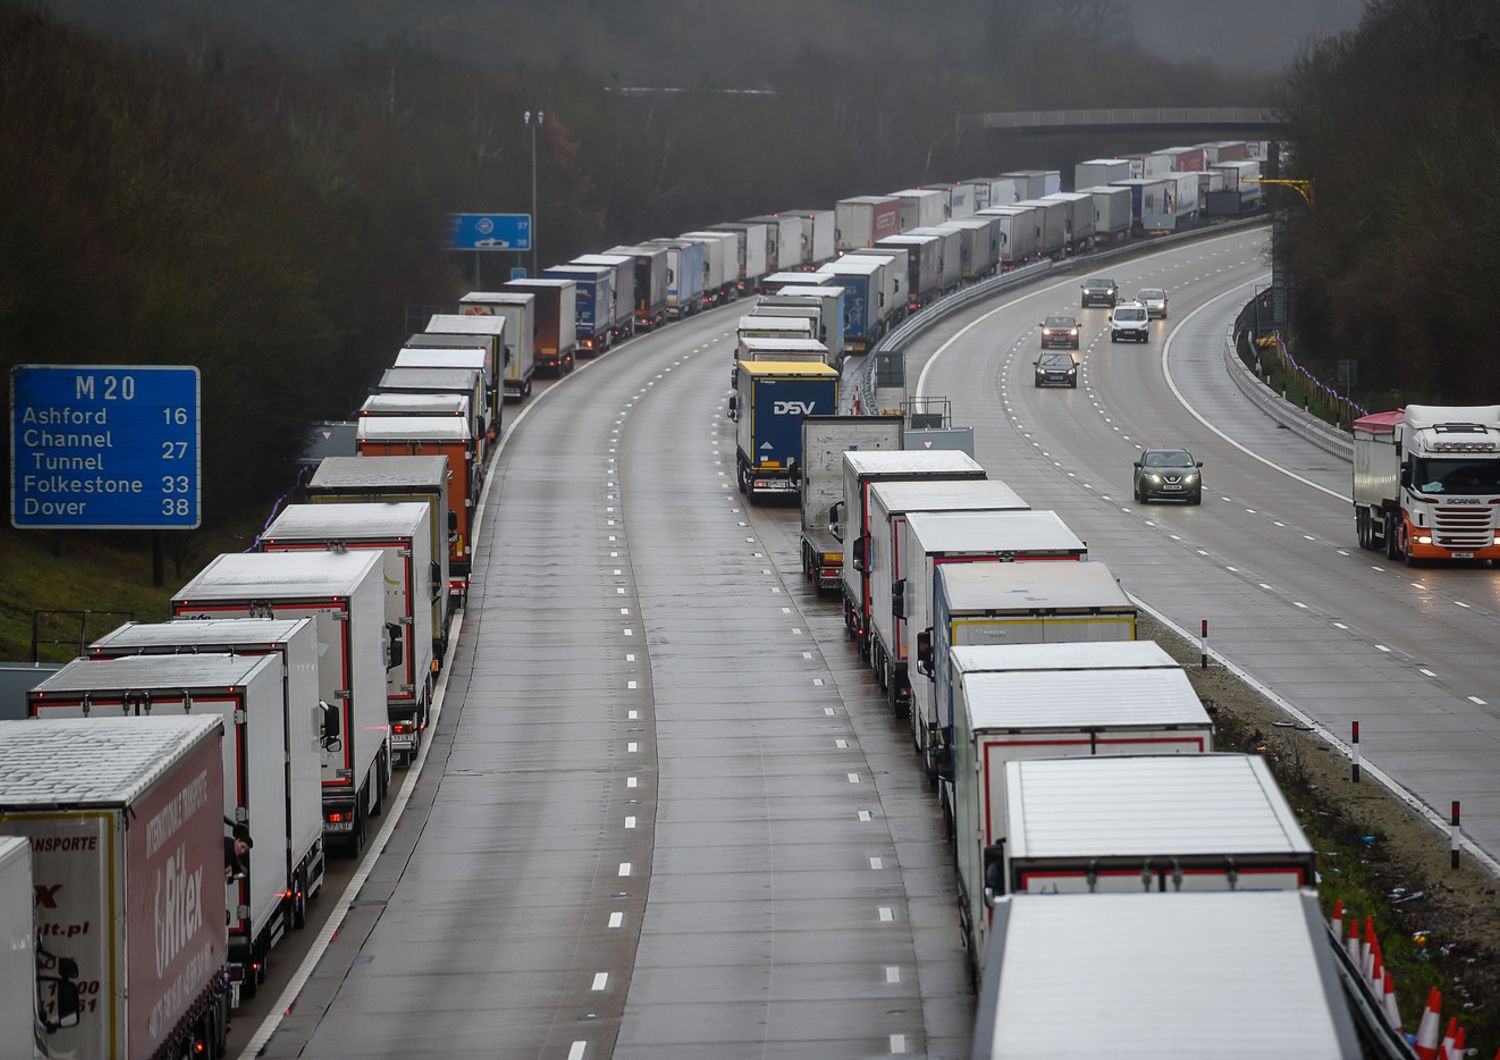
point(526, 390)
point(743, 480)
point(299, 899)
point(1391, 552)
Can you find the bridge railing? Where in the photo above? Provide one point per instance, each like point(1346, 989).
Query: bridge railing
point(1034, 119)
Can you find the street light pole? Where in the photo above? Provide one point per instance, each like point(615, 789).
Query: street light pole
point(533, 126)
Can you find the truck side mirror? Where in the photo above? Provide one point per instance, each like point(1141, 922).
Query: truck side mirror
point(924, 652)
point(1406, 473)
point(435, 578)
point(734, 406)
point(836, 519)
point(395, 653)
point(862, 553)
point(898, 599)
point(65, 1000)
point(332, 726)
point(452, 525)
point(994, 873)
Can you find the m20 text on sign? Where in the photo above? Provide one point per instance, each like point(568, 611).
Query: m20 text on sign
point(96, 447)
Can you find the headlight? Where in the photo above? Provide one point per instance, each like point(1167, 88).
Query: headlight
point(1074, 331)
point(1152, 476)
point(1074, 371)
point(1424, 540)
point(1191, 477)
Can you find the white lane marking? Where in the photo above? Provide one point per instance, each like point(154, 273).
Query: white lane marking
point(1476, 700)
point(631, 782)
point(601, 980)
point(629, 632)
point(877, 863)
point(630, 684)
point(818, 681)
point(863, 815)
point(1166, 371)
point(898, 1043)
point(842, 745)
point(1381, 647)
point(575, 1051)
point(632, 715)
point(629, 822)
point(1425, 672)
point(892, 974)
point(624, 868)
point(630, 656)
point(853, 777)
point(887, 914)
point(1339, 625)
point(616, 920)
point(1460, 603)
point(632, 747)
point(1299, 603)
point(828, 711)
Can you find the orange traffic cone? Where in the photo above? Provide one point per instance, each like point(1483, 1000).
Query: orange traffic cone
point(1365, 947)
point(1336, 923)
point(1427, 1030)
point(1377, 970)
point(1446, 1049)
point(1458, 1049)
point(1352, 945)
point(1392, 1011)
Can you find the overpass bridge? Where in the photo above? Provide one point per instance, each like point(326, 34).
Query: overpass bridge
point(1243, 120)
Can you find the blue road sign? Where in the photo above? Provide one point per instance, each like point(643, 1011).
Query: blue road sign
point(105, 447)
point(518, 272)
point(489, 231)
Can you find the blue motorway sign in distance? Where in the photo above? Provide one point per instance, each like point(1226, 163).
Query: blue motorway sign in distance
point(489, 231)
point(96, 447)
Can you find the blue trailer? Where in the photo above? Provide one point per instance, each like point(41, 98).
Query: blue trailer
point(593, 307)
point(770, 400)
point(684, 276)
point(862, 302)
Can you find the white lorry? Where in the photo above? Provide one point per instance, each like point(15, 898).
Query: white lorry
point(1013, 702)
point(401, 533)
point(1427, 482)
point(519, 311)
point(849, 518)
point(124, 817)
point(930, 541)
point(424, 479)
point(1163, 823)
point(890, 504)
point(248, 693)
point(1248, 975)
point(825, 440)
point(343, 594)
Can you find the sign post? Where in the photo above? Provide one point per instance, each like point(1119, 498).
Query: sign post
point(106, 447)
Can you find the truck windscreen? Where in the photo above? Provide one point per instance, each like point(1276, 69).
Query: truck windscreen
point(1455, 475)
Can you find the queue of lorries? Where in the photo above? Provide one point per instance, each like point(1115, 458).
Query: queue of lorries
point(1075, 768)
point(179, 789)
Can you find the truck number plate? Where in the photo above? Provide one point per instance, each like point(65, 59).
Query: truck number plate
point(1463, 555)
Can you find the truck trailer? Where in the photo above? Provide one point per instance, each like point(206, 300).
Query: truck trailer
point(684, 276)
point(124, 817)
point(448, 437)
point(556, 324)
point(921, 207)
point(400, 532)
point(771, 398)
point(343, 593)
point(1052, 225)
point(1427, 482)
point(865, 312)
point(755, 243)
point(861, 220)
point(1098, 171)
point(924, 259)
point(424, 479)
point(818, 242)
point(718, 254)
point(829, 298)
point(593, 304)
point(891, 503)
point(1275, 992)
point(650, 284)
point(932, 540)
point(267, 770)
point(488, 329)
point(1016, 702)
point(1112, 213)
point(1078, 224)
point(851, 523)
point(825, 440)
point(519, 310)
point(621, 291)
point(950, 253)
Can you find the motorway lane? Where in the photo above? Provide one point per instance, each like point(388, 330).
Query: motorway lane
point(623, 759)
point(1269, 558)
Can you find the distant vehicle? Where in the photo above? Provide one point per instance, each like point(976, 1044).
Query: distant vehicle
point(1060, 332)
point(1168, 473)
point(1099, 291)
point(1057, 369)
point(1155, 301)
point(1130, 322)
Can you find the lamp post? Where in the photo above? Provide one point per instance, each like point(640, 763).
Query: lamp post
point(526, 119)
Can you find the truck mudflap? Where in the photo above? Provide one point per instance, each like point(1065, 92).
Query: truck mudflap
point(826, 570)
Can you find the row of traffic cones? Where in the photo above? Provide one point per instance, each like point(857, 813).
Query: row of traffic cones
point(1363, 948)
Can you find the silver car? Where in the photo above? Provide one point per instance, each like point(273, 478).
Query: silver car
point(1155, 301)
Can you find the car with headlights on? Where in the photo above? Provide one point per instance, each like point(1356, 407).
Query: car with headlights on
point(1155, 301)
point(1168, 473)
point(1099, 291)
point(1060, 332)
point(1057, 369)
point(1129, 321)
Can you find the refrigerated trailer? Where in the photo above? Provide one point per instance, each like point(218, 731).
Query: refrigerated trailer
point(865, 311)
point(783, 240)
point(921, 207)
point(400, 532)
point(490, 330)
point(425, 357)
point(861, 220)
point(468, 382)
point(1009, 703)
point(1078, 222)
point(1019, 230)
point(829, 298)
point(930, 540)
point(818, 238)
point(850, 517)
point(890, 504)
point(519, 311)
point(1098, 171)
point(434, 403)
point(267, 767)
point(125, 824)
point(398, 436)
point(1112, 213)
point(924, 259)
point(825, 440)
point(1172, 979)
point(343, 594)
point(754, 243)
point(1148, 823)
point(1052, 225)
point(556, 322)
point(424, 479)
point(950, 253)
point(24, 1015)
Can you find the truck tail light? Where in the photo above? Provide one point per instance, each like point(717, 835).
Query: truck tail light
point(336, 817)
point(400, 728)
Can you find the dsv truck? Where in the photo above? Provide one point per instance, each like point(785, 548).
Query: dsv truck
point(1427, 482)
point(770, 400)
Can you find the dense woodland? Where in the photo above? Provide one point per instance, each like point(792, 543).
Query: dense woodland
point(1397, 126)
point(203, 194)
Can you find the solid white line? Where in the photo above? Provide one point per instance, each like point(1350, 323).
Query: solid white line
point(1166, 371)
point(922, 378)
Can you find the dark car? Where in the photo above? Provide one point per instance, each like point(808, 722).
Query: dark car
point(1057, 369)
point(1060, 332)
point(1171, 473)
point(1099, 291)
